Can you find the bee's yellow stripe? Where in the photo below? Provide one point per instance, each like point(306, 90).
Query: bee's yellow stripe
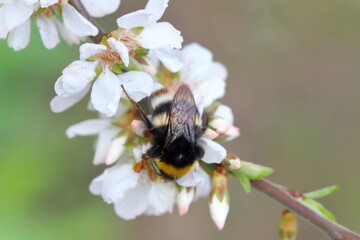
point(172, 171)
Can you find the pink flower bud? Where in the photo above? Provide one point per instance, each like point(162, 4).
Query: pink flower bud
point(184, 199)
point(220, 125)
point(116, 149)
point(219, 198)
point(138, 127)
point(210, 134)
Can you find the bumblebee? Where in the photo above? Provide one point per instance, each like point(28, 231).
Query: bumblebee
point(175, 127)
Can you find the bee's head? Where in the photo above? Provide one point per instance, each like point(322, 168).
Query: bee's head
point(177, 159)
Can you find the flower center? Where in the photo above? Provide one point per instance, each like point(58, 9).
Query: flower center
point(128, 38)
point(109, 56)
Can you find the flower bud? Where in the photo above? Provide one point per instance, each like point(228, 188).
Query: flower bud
point(116, 149)
point(232, 161)
point(210, 134)
point(184, 198)
point(288, 226)
point(254, 171)
point(219, 198)
point(138, 127)
point(220, 125)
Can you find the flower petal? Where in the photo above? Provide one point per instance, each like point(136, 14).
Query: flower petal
point(68, 36)
point(161, 199)
point(134, 204)
point(203, 190)
point(140, 18)
point(60, 104)
point(103, 143)
point(137, 84)
point(156, 8)
point(114, 182)
point(172, 59)
point(214, 152)
point(191, 179)
point(219, 211)
point(160, 35)
point(48, 31)
point(87, 128)
point(19, 38)
point(76, 23)
point(116, 149)
point(225, 113)
point(90, 49)
point(3, 29)
point(183, 199)
point(101, 8)
point(77, 76)
point(121, 49)
point(47, 3)
point(197, 54)
point(106, 91)
point(16, 14)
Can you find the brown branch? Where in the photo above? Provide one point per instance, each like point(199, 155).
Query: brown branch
point(334, 230)
point(77, 4)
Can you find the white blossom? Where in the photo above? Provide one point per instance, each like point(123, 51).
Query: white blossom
point(73, 27)
point(132, 193)
point(106, 91)
point(141, 29)
point(109, 147)
point(221, 127)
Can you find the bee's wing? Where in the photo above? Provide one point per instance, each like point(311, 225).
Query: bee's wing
point(182, 116)
point(139, 109)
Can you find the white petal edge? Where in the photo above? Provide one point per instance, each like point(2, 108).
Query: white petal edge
point(47, 3)
point(116, 149)
point(87, 128)
point(48, 31)
point(139, 18)
point(60, 104)
point(137, 84)
point(172, 59)
point(76, 23)
point(214, 152)
point(121, 49)
point(19, 38)
point(103, 143)
point(106, 92)
point(101, 8)
point(156, 8)
point(90, 49)
point(160, 35)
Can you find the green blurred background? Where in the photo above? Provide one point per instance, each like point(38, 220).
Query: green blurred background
point(294, 89)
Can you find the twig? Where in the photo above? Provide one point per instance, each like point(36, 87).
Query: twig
point(334, 230)
point(77, 4)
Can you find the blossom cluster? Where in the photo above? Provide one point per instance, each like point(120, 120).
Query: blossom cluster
point(144, 56)
point(52, 17)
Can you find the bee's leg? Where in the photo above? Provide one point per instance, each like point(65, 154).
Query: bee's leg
point(140, 110)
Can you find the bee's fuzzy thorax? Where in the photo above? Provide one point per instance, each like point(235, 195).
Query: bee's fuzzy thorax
point(161, 99)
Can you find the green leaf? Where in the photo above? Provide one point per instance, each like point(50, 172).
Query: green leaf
point(318, 208)
point(209, 168)
point(116, 68)
point(254, 171)
point(244, 180)
point(104, 41)
point(134, 65)
point(141, 51)
point(59, 10)
point(137, 30)
point(322, 192)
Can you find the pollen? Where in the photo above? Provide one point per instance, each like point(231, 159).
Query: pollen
point(109, 56)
